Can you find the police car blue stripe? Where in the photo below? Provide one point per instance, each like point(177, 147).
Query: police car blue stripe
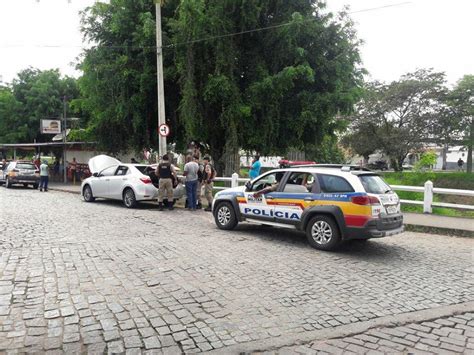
point(323, 196)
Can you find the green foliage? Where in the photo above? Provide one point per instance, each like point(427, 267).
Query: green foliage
point(33, 95)
point(267, 90)
point(397, 118)
point(461, 181)
point(119, 81)
point(427, 161)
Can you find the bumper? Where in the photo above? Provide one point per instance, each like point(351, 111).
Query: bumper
point(377, 228)
point(24, 180)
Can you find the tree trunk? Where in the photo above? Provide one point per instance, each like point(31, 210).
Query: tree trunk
point(444, 155)
point(469, 148)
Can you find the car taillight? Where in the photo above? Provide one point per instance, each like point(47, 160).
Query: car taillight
point(145, 180)
point(365, 200)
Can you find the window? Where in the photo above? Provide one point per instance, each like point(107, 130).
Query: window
point(299, 183)
point(331, 183)
point(121, 170)
point(110, 171)
point(267, 180)
point(26, 166)
point(374, 184)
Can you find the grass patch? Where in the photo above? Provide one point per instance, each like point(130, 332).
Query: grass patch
point(457, 180)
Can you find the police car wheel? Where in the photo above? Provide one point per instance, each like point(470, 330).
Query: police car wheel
point(224, 216)
point(129, 199)
point(323, 233)
point(87, 193)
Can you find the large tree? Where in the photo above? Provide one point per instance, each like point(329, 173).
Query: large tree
point(32, 96)
point(401, 116)
point(263, 75)
point(461, 100)
point(119, 80)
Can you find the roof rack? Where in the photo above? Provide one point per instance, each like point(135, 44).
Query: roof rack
point(334, 166)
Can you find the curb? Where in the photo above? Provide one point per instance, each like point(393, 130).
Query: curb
point(451, 232)
point(342, 331)
point(64, 190)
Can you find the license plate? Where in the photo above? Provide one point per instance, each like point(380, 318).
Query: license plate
point(391, 209)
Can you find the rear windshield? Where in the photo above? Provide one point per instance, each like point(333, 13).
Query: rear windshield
point(374, 184)
point(142, 168)
point(25, 166)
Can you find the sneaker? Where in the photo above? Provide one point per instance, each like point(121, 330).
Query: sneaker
point(41, 190)
point(208, 209)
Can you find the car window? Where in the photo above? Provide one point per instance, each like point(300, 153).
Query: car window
point(110, 171)
point(121, 170)
point(332, 183)
point(267, 180)
point(299, 183)
point(374, 184)
point(28, 166)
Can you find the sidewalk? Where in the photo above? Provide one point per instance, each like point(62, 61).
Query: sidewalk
point(417, 222)
point(59, 186)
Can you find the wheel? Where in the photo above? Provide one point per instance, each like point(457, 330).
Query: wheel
point(35, 186)
point(8, 184)
point(87, 194)
point(323, 233)
point(224, 216)
point(129, 199)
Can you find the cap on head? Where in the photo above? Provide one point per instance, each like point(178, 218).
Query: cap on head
point(206, 158)
point(165, 157)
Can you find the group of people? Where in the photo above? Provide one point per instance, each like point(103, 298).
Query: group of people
point(198, 176)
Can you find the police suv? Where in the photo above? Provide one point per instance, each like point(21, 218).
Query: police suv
point(332, 204)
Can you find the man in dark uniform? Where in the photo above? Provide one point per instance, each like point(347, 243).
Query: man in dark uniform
point(165, 172)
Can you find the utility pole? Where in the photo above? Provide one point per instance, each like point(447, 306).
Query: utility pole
point(64, 139)
point(159, 79)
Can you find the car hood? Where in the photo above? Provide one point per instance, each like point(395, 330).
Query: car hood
point(101, 162)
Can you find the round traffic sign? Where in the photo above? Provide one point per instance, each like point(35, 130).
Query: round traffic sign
point(164, 130)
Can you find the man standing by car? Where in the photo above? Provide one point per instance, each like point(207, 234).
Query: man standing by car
point(44, 176)
point(191, 173)
point(255, 168)
point(165, 171)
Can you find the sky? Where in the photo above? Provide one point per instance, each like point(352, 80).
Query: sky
point(399, 39)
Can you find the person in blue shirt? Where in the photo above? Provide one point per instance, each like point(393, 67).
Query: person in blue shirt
point(255, 168)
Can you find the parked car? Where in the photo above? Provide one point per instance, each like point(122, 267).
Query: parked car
point(331, 205)
point(115, 180)
point(378, 165)
point(20, 172)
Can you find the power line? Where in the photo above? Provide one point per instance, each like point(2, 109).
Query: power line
point(210, 38)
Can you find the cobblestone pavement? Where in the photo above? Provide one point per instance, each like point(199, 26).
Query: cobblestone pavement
point(451, 335)
point(98, 277)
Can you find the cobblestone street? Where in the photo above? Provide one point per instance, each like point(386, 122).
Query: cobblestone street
point(97, 277)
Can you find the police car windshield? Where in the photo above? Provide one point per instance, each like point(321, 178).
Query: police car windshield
point(374, 184)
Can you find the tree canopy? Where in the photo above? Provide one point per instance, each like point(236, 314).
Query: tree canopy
point(32, 96)
point(259, 75)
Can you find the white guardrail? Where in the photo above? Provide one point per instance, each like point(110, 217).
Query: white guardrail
point(428, 191)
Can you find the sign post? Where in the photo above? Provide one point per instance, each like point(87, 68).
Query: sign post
point(159, 78)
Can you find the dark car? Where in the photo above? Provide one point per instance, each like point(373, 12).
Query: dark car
point(20, 172)
point(378, 165)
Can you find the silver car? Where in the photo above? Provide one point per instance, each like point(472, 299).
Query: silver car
point(115, 180)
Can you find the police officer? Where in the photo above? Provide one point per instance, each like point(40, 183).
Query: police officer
point(165, 172)
point(199, 183)
point(208, 181)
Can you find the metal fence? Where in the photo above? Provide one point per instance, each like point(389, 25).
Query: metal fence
point(428, 191)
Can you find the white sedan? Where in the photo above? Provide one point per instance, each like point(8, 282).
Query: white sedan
point(130, 183)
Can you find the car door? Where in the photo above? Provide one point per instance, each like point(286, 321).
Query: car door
point(117, 181)
point(297, 193)
point(100, 185)
point(261, 207)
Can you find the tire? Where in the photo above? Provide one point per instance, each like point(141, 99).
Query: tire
point(35, 186)
point(323, 233)
point(224, 215)
point(87, 194)
point(128, 198)
point(8, 184)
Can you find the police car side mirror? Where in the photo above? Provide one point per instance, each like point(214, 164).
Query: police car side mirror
point(95, 175)
point(248, 186)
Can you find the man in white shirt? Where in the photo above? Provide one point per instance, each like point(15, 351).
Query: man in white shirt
point(191, 169)
point(44, 176)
